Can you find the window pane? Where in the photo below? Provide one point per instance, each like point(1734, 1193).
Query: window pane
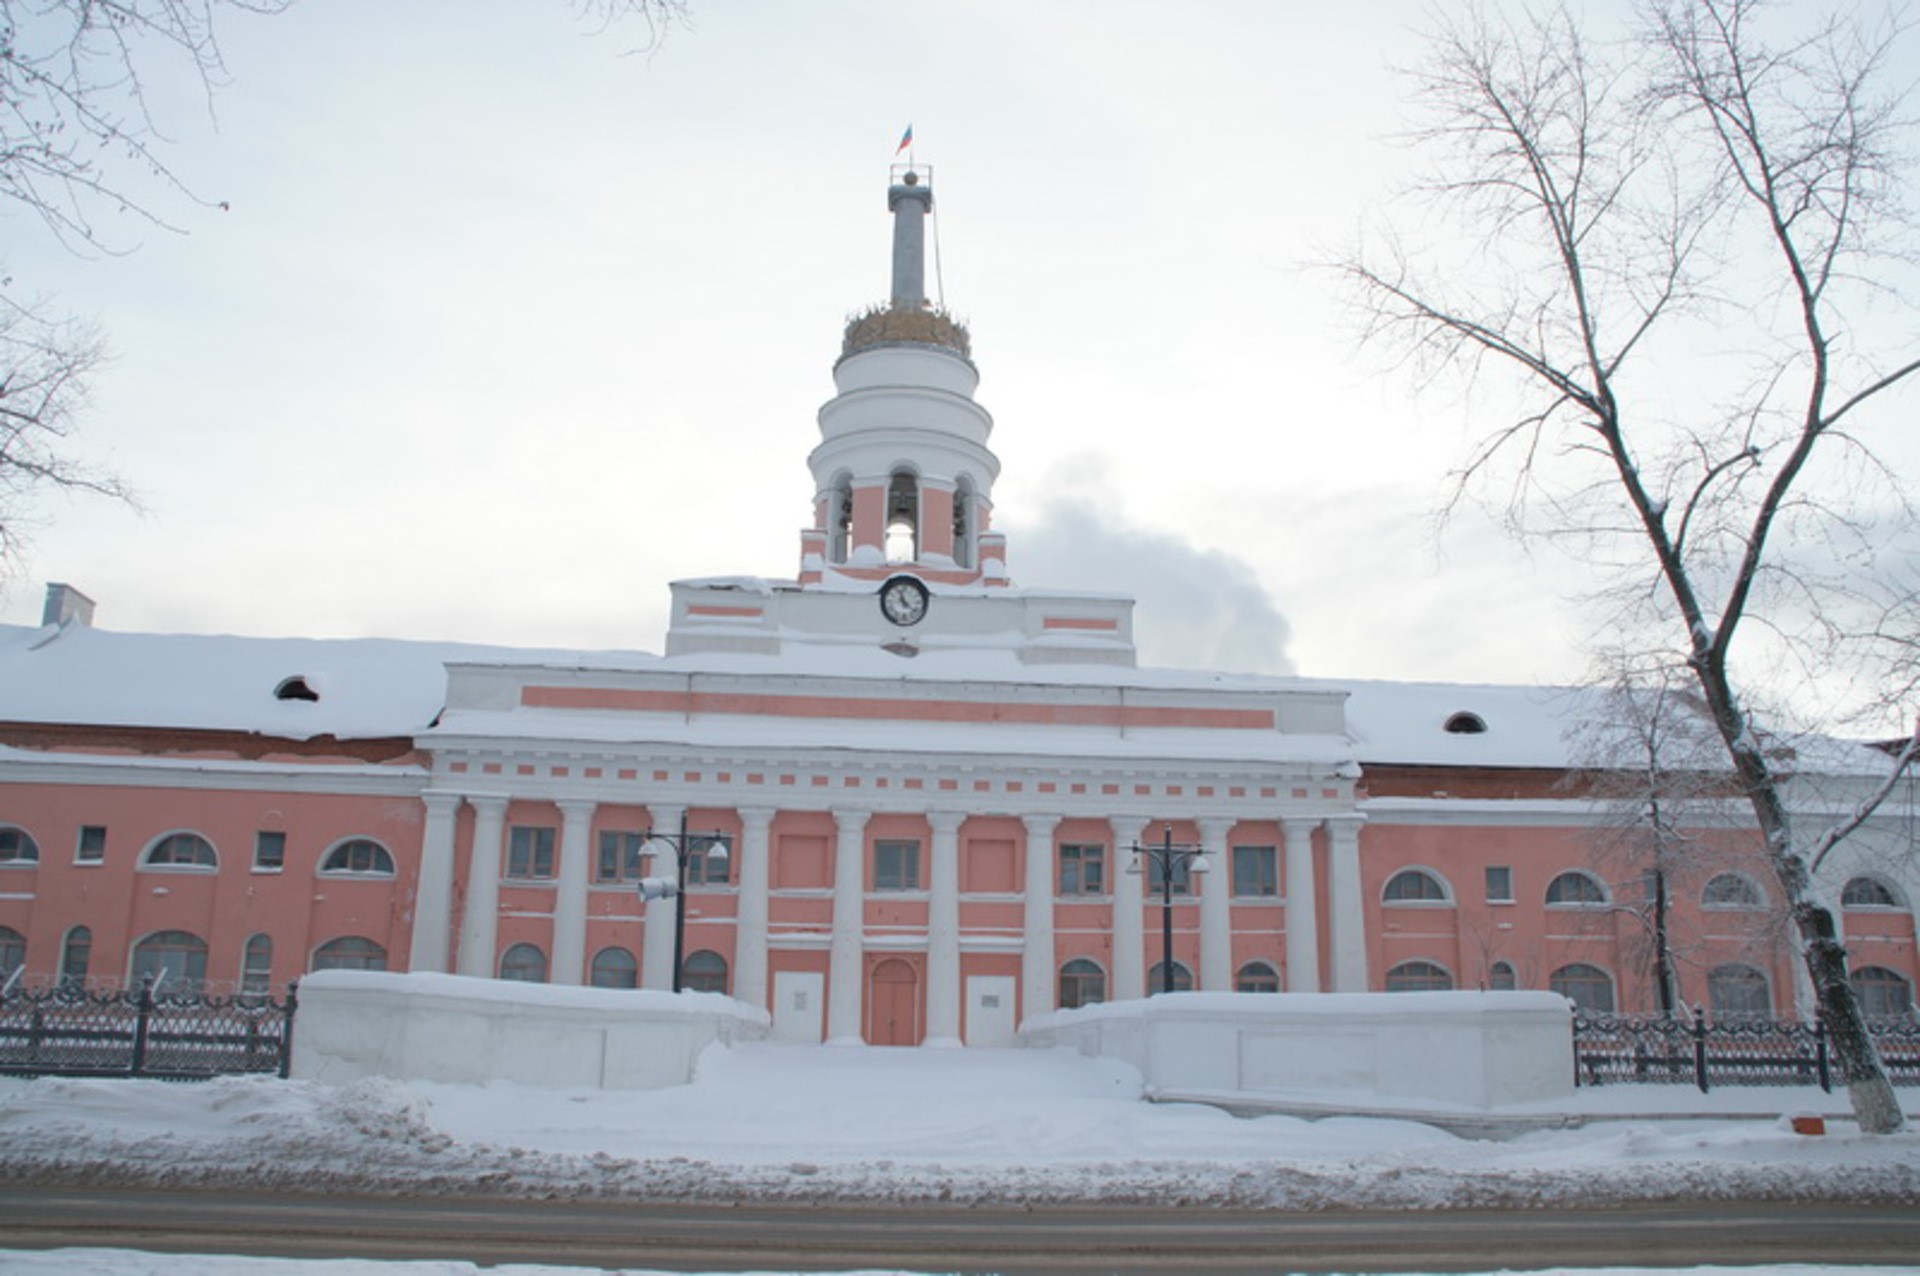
point(615, 968)
point(1499, 884)
point(93, 844)
point(704, 866)
point(896, 866)
point(269, 849)
point(530, 852)
point(1256, 870)
point(1083, 869)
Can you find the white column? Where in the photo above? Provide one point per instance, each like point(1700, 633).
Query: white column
point(656, 941)
point(480, 921)
point(570, 893)
point(1216, 915)
point(1129, 953)
point(754, 858)
point(1348, 909)
point(433, 897)
point(848, 949)
point(1303, 909)
point(943, 931)
point(1039, 980)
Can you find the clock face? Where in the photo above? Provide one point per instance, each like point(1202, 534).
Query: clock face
point(903, 600)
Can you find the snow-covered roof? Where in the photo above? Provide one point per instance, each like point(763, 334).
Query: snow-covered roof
point(366, 687)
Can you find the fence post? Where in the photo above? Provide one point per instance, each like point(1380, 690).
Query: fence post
point(1700, 1048)
point(286, 1030)
point(143, 1010)
point(1820, 1051)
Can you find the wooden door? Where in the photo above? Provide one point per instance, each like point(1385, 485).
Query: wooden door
point(894, 1005)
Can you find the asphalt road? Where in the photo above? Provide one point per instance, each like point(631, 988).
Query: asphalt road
point(969, 1239)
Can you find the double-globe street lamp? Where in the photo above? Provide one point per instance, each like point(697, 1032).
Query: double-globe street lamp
point(680, 847)
point(1167, 858)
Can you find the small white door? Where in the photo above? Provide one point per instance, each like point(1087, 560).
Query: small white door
point(799, 1006)
point(990, 1010)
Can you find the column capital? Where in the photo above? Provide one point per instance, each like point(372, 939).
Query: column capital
point(440, 802)
point(488, 803)
point(1127, 828)
point(577, 808)
point(1345, 822)
point(851, 817)
point(760, 817)
point(1040, 825)
point(1215, 826)
point(946, 821)
point(1301, 824)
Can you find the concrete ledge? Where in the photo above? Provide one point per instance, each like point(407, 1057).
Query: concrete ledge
point(428, 1027)
point(1431, 1052)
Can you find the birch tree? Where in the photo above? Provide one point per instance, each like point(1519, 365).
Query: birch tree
point(1672, 254)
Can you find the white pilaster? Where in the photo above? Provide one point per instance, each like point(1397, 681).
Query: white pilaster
point(1216, 915)
point(754, 861)
point(433, 897)
point(1039, 980)
point(570, 893)
point(480, 921)
point(1129, 953)
point(1348, 909)
point(656, 941)
point(943, 930)
point(847, 951)
point(1303, 909)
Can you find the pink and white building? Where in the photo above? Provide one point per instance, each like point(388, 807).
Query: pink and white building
point(927, 782)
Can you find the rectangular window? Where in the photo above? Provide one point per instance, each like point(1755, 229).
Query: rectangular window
point(530, 853)
point(619, 857)
point(1154, 865)
point(1499, 884)
point(269, 851)
point(1083, 869)
point(92, 847)
point(896, 866)
point(1256, 870)
point(704, 868)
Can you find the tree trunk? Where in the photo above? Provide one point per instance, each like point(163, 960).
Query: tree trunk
point(1875, 1106)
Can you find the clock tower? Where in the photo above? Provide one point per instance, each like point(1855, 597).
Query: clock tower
point(901, 556)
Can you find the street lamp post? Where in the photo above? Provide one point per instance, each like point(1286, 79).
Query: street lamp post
point(681, 847)
point(1166, 857)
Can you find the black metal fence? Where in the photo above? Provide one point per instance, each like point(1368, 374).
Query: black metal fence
point(70, 1031)
point(1744, 1050)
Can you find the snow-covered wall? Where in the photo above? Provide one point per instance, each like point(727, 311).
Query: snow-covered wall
point(1474, 1049)
point(429, 1027)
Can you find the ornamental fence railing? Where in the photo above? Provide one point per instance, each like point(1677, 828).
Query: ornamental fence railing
point(1687, 1049)
point(72, 1031)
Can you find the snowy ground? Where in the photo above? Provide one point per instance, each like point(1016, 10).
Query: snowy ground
point(794, 1124)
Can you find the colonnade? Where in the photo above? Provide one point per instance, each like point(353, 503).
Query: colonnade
point(473, 944)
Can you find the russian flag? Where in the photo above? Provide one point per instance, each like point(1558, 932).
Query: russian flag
point(906, 140)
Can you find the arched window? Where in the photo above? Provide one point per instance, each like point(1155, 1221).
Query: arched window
point(903, 518)
point(1082, 983)
point(1575, 889)
point(963, 522)
point(1182, 978)
point(176, 959)
point(704, 971)
point(181, 850)
point(1466, 723)
point(524, 963)
point(1738, 989)
point(1500, 977)
point(614, 968)
point(256, 965)
point(1415, 886)
point(1589, 988)
point(840, 519)
point(1883, 993)
point(1418, 976)
point(1731, 890)
point(1257, 976)
point(1868, 892)
point(13, 951)
point(361, 856)
point(350, 952)
point(76, 954)
point(16, 847)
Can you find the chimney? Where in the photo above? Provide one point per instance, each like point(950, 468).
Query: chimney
point(66, 605)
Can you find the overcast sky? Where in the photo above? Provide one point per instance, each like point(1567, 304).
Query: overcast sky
point(508, 326)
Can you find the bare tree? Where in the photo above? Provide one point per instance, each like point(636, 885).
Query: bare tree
point(1659, 239)
point(80, 146)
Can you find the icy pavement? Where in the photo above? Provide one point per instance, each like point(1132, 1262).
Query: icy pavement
point(782, 1123)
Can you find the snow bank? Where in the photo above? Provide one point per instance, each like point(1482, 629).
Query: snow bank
point(355, 1024)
